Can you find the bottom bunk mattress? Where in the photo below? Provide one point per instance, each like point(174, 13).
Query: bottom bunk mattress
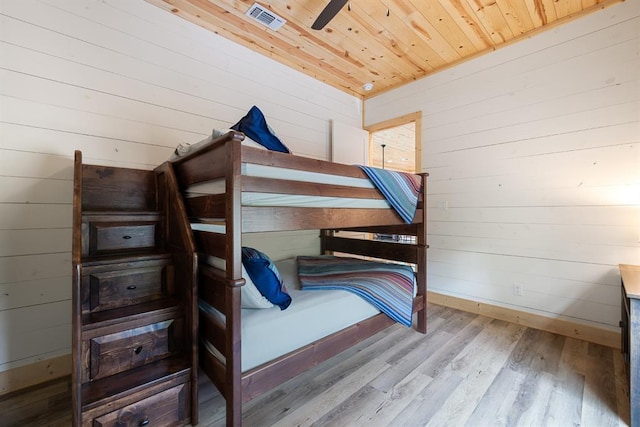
point(270, 332)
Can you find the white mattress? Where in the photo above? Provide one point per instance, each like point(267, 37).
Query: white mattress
point(275, 199)
point(312, 315)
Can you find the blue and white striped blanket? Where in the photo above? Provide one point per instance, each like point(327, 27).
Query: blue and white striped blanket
point(401, 189)
point(389, 287)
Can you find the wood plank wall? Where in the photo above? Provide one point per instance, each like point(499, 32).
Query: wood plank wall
point(124, 82)
point(533, 153)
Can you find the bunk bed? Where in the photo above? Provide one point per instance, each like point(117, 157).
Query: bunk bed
point(229, 189)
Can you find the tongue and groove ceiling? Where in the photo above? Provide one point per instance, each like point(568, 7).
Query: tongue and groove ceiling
point(384, 42)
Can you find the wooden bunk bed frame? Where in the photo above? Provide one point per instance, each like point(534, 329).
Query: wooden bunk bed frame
point(222, 158)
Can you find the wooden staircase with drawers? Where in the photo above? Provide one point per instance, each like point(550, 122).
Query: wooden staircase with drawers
point(134, 299)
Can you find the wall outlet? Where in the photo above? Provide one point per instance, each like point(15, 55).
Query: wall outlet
point(517, 289)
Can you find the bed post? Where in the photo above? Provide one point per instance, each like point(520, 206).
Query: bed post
point(233, 257)
point(421, 237)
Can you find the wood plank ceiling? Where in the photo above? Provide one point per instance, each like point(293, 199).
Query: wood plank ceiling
point(384, 42)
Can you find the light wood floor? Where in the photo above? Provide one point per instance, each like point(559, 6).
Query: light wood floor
point(469, 370)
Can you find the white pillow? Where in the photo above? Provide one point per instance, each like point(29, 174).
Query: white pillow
point(250, 296)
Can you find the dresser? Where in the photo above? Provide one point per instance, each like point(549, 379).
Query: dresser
point(134, 347)
point(630, 324)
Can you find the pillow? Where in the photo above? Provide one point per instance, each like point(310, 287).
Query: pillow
point(249, 294)
point(255, 126)
point(266, 277)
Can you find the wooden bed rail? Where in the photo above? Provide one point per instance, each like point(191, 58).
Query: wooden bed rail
point(372, 248)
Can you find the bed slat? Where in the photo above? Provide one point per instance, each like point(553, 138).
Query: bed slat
point(210, 243)
point(209, 206)
point(285, 186)
point(212, 283)
point(214, 369)
point(213, 331)
point(404, 229)
point(256, 219)
point(385, 250)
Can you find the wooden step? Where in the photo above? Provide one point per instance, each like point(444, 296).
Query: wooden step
point(109, 389)
point(130, 316)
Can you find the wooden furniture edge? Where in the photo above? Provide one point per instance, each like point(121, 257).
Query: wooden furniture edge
point(631, 276)
point(558, 326)
point(36, 373)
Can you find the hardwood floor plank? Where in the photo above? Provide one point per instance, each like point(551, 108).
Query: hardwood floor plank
point(532, 401)
point(316, 407)
point(396, 400)
point(599, 402)
point(527, 355)
point(443, 356)
point(427, 403)
point(537, 355)
point(46, 404)
point(478, 364)
point(565, 405)
point(622, 389)
point(410, 361)
point(496, 403)
point(352, 409)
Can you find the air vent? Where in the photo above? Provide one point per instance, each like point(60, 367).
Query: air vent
point(265, 17)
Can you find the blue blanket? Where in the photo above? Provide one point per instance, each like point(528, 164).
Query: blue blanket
point(389, 287)
point(401, 189)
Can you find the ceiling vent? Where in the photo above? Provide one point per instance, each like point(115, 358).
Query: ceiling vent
point(265, 17)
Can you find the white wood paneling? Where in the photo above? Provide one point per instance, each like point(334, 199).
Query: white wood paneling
point(534, 161)
point(349, 144)
point(124, 82)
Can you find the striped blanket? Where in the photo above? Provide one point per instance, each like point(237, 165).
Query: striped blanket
point(389, 287)
point(401, 189)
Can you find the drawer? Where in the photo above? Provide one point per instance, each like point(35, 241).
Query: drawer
point(106, 237)
point(124, 350)
point(120, 285)
point(167, 408)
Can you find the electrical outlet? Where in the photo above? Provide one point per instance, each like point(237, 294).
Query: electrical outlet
point(517, 289)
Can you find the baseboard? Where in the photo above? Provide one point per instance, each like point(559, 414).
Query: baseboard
point(35, 373)
point(559, 326)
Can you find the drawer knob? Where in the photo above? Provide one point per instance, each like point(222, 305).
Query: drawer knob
point(131, 287)
point(126, 237)
point(138, 350)
point(144, 422)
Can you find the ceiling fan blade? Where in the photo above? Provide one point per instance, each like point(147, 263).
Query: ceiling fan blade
point(328, 13)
